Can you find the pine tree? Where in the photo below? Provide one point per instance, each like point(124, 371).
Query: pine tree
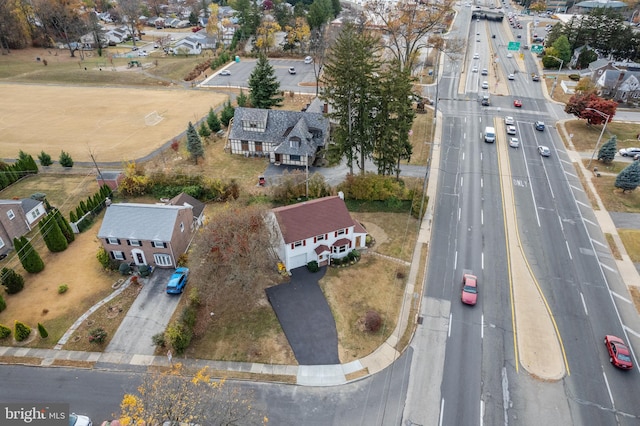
point(52, 235)
point(66, 229)
point(212, 121)
point(608, 151)
point(227, 113)
point(264, 86)
point(45, 159)
point(11, 280)
point(72, 217)
point(29, 257)
point(65, 159)
point(242, 99)
point(194, 143)
point(204, 130)
point(352, 89)
point(629, 178)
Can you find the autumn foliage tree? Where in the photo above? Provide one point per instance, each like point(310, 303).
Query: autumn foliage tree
point(175, 397)
point(582, 105)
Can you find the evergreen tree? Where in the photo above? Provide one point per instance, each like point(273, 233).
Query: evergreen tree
point(204, 130)
point(72, 217)
point(212, 121)
point(45, 159)
point(352, 89)
point(242, 100)
point(3, 304)
point(227, 113)
point(11, 280)
point(194, 144)
point(264, 86)
point(65, 159)
point(27, 163)
point(64, 226)
point(52, 235)
point(629, 178)
point(608, 151)
point(43, 331)
point(79, 212)
point(29, 257)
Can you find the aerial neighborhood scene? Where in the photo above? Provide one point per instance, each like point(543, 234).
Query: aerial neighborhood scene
point(322, 212)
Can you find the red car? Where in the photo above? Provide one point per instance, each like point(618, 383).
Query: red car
point(619, 353)
point(469, 289)
point(517, 103)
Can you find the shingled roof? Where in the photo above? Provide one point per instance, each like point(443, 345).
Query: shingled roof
point(310, 218)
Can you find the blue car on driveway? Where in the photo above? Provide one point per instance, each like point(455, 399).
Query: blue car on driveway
point(177, 281)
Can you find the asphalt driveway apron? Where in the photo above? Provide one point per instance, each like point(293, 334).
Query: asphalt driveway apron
point(306, 318)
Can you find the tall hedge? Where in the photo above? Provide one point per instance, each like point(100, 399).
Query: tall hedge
point(52, 235)
point(64, 227)
point(29, 257)
point(11, 280)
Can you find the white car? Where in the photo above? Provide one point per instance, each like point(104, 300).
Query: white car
point(485, 84)
point(308, 60)
point(544, 151)
point(475, 69)
point(79, 420)
point(476, 56)
point(509, 121)
point(142, 53)
point(514, 143)
point(511, 130)
point(292, 70)
point(512, 77)
point(629, 152)
point(509, 55)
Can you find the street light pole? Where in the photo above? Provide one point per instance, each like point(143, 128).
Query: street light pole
point(553, 87)
point(606, 116)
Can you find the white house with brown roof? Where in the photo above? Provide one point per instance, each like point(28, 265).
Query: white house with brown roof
point(317, 230)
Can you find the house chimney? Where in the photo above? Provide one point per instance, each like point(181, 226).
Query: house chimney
point(325, 108)
point(341, 195)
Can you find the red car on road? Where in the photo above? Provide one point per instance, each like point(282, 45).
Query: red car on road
point(619, 353)
point(517, 103)
point(469, 289)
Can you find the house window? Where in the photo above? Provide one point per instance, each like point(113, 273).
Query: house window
point(1, 243)
point(340, 249)
point(162, 259)
point(159, 244)
point(181, 227)
point(320, 237)
point(340, 232)
point(35, 213)
point(245, 145)
point(297, 244)
point(136, 243)
point(258, 146)
point(11, 214)
point(117, 255)
point(113, 241)
point(294, 157)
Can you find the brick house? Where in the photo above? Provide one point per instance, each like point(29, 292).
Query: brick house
point(17, 218)
point(147, 234)
point(318, 230)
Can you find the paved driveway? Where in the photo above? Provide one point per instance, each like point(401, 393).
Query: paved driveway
point(306, 318)
point(149, 315)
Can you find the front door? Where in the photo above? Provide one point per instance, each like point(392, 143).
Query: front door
point(138, 257)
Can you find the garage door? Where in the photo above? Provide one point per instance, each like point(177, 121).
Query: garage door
point(297, 261)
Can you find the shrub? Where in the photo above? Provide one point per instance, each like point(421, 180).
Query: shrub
point(45, 159)
point(43, 332)
point(63, 288)
point(12, 281)
point(372, 321)
point(124, 268)
point(144, 270)
point(194, 297)
point(355, 254)
point(97, 335)
point(159, 340)
point(65, 159)
point(3, 304)
point(179, 336)
point(4, 332)
point(574, 77)
point(188, 316)
point(336, 261)
point(21, 331)
point(103, 258)
point(313, 266)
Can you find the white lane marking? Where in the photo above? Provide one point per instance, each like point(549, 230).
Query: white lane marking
point(459, 213)
point(482, 326)
point(619, 296)
point(584, 304)
point(568, 249)
point(481, 182)
point(607, 267)
point(481, 217)
point(461, 180)
point(613, 404)
point(582, 204)
point(441, 412)
point(450, 320)
point(598, 243)
point(455, 261)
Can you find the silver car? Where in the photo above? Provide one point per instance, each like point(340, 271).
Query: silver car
point(544, 151)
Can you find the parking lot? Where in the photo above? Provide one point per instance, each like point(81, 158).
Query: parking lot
point(239, 72)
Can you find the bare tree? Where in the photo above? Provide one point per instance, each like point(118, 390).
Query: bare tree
point(179, 397)
point(62, 21)
point(407, 24)
point(130, 10)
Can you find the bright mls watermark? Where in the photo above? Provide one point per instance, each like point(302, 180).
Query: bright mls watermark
point(36, 414)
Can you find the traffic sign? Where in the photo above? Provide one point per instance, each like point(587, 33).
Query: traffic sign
point(514, 45)
point(537, 48)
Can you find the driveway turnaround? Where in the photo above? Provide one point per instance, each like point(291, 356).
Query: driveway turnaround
point(306, 318)
point(149, 314)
